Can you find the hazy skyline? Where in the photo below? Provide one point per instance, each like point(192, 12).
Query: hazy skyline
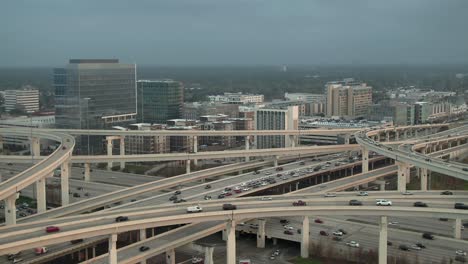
point(201, 32)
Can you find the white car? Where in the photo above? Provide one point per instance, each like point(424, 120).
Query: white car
point(330, 195)
point(246, 189)
point(288, 227)
point(277, 252)
point(415, 247)
point(384, 202)
point(264, 184)
point(266, 198)
point(353, 244)
point(407, 193)
point(338, 233)
point(460, 252)
point(393, 223)
point(267, 173)
point(196, 260)
point(363, 194)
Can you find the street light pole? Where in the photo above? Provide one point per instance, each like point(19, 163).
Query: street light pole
point(87, 119)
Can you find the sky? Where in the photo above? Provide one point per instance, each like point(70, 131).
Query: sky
point(234, 32)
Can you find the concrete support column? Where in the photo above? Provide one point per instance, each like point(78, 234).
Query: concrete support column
point(457, 228)
point(346, 139)
point(381, 184)
point(405, 134)
point(423, 178)
point(87, 172)
point(383, 240)
point(122, 151)
point(195, 149)
point(10, 209)
point(292, 139)
point(142, 234)
point(365, 160)
point(231, 242)
point(187, 166)
point(261, 233)
point(275, 161)
point(170, 256)
point(209, 255)
point(387, 136)
point(64, 182)
point(378, 137)
point(109, 151)
point(94, 251)
point(35, 146)
point(397, 135)
point(247, 146)
point(1, 143)
point(403, 171)
point(112, 249)
point(41, 195)
point(275, 241)
point(297, 186)
point(305, 238)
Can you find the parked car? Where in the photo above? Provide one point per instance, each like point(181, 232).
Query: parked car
point(51, 229)
point(299, 203)
point(229, 207)
point(420, 204)
point(355, 202)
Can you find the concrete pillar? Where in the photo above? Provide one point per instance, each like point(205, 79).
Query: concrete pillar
point(387, 136)
point(397, 135)
point(109, 151)
point(122, 151)
point(275, 161)
point(383, 240)
point(10, 209)
point(405, 134)
point(93, 251)
point(403, 171)
point(305, 237)
point(297, 186)
point(231, 242)
point(261, 233)
point(381, 184)
point(64, 182)
point(378, 137)
point(35, 146)
point(247, 147)
point(112, 249)
point(365, 160)
point(187, 166)
point(423, 177)
point(87, 172)
point(209, 255)
point(275, 241)
point(1, 143)
point(41, 195)
point(195, 149)
point(457, 228)
point(170, 256)
point(346, 139)
point(142, 234)
point(292, 139)
point(224, 235)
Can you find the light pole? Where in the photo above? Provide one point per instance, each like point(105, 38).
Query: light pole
point(87, 119)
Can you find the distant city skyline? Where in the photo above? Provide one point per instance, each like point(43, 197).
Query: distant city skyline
point(214, 32)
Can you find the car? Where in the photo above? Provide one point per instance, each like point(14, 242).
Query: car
point(288, 227)
point(41, 250)
point(279, 168)
point(277, 252)
point(14, 255)
point(17, 260)
point(172, 198)
point(460, 252)
point(355, 202)
point(10, 164)
point(389, 243)
point(352, 244)
point(337, 238)
point(121, 219)
point(76, 241)
point(288, 232)
point(207, 197)
point(52, 229)
point(383, 202)
point(460, 206)
point(272, 257)
point(207, 186)
point(143, 248)
point(229, 207)
point(180, 201)
point(227, 189)
point(330, 195)
point(299, 203)
point(77, 195)
point(421, 245)
point(403, 247)
point(420, 204)
point(238, 191)
point(415, 247)
point(197, 260)
point(428, 236)
point(443, 219)
point(284, 221)
point(407, 193)
point(323, 233)
point(363, 194)
point(221, 196)
point(177, 192)
point(318, 221)
point(266, 198)
point(228, 194)
point(194, 209)
point(338, 233)
point(446, 193)
point(299, 231)
point(86, 194)
point(343, 231)
point(465, 169)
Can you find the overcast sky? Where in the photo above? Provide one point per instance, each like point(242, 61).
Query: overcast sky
point(200, 32)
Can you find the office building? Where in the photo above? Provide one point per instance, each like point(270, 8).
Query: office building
point(94, 94)
point(285, 118)
point(399, 113)
point(348, 99)
point(314, 103)
point(146, 144)
point(237, 98)
point(159, 100)
point(26, 100)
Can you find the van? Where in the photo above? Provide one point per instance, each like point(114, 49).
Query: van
point(194, 209)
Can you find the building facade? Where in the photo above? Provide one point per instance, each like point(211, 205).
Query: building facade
point(146, 144)
point(276, 119)
point(159, 100)
point(348, 99)
point(26, 100)
point(237, 98)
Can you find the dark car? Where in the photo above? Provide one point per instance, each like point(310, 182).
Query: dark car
point(279, 169)
point(419, 244)
point(143, 248)
point(79, 188)
point(288, 232)
point(9, 164)
point(465, 169)
point(229, 207)
point(172, 198)
point(177, 192)
point(446, 193)
point(121, 219)
point(208, 186)
point(443, 219)
point(318, 221)
point(420, 204)
point(227, 189)
point(389, 243)
point(461, 206)
point(77, 195)
point(180, 201)
point(76, 241)
point(51, 229)
point(428, 236)
point(284, 221)
point(355, 202)
point(323, 233)
point(299, 231)
point(302, 163)
point(337, 238)
point(221, 196)
point(404, 247)
point(299, 203)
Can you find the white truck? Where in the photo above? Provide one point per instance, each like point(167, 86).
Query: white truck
point(194, 209)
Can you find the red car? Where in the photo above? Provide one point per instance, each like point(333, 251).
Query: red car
point(228, 194)
point(318, 221)
point(323, 233)
point(51, 229)
point(299, 203)
point(237, 191)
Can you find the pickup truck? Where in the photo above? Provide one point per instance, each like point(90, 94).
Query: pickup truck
point(194, 209)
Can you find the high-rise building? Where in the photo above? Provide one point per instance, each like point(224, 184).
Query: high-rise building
point(286, 118)
point(26, 100)
point(94, 94)
point(159, 100)
point(348, 99)
point(314, 103)
point(237, 98)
